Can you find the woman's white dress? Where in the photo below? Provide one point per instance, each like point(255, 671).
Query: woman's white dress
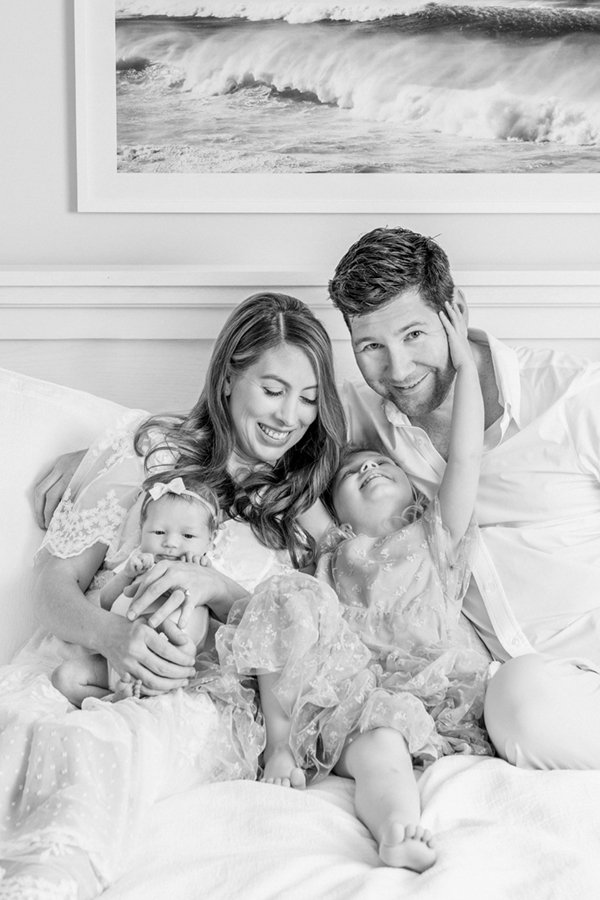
point(81, 780)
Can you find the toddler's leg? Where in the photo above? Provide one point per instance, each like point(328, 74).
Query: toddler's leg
point(81, 678)
point(387, 797)
point(280, 765)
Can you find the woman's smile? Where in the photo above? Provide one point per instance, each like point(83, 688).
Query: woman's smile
point(274, 434)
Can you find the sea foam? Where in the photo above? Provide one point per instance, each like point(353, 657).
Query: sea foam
point(296, 13)
point(475, 87)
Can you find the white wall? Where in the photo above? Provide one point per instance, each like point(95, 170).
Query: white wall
point(39, 224)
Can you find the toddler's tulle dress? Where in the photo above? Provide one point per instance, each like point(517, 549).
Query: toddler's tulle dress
point(393, 650)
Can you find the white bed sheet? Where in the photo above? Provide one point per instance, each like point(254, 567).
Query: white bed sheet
point(501, 833)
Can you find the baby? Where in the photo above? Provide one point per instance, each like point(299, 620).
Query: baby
point(175, 523)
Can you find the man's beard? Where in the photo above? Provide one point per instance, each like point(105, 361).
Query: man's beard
point(421, 405)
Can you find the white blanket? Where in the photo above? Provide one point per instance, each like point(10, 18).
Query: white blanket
point(501, 834)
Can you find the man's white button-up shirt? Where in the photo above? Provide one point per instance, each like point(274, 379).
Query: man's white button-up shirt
point(536, 567)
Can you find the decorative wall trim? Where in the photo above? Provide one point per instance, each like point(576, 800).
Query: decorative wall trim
point(191, 302)
point(233, 276)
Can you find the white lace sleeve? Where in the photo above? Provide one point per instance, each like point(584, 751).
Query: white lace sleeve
point(101, 492)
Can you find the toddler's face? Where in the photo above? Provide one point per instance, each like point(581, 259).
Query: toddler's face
point(174, 527)
point(371, 493)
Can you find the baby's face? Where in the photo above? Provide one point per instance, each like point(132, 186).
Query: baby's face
point(371, 493)
point(174, 527)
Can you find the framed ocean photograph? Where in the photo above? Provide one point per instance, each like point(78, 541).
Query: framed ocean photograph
point(402, 106)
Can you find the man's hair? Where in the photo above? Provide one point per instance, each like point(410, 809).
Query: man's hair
point(384, 263)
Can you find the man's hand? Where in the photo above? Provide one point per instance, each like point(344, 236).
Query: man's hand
point(49, 490)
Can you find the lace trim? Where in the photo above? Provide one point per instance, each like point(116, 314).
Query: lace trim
point(50, 849)
point(72, 530)
point(118, 439)
point(30, 887)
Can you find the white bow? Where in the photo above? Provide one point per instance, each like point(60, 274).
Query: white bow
point(176, 486)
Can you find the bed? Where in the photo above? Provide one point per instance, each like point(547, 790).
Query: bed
point(501, 833)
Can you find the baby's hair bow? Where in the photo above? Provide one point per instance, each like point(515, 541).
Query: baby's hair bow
point(176, 486)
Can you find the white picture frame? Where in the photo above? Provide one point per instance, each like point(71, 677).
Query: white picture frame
point(100, 188)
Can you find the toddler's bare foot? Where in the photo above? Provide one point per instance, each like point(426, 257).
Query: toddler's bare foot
point(281, 768)
point(407, 847)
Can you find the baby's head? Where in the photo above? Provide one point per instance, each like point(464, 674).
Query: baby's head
point(371, 493)
point(178, 518)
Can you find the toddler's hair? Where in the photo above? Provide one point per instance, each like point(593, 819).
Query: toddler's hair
point(205, 496)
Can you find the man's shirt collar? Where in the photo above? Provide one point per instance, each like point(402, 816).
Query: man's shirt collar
point(506, 373)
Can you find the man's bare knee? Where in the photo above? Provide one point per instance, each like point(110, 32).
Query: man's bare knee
point(520, 708)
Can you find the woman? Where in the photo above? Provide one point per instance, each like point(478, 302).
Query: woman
point(265, 436)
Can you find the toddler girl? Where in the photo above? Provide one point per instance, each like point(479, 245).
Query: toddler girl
point(175, 523)
point(389, 674)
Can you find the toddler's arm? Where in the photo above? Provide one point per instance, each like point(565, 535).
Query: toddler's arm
point(458, 488)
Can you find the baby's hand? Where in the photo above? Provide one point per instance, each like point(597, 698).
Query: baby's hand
point(197, 559)
point(138, 563)
point(455, 327)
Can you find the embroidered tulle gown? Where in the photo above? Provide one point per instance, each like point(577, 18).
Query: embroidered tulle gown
point(74, 784)
point(376, 639)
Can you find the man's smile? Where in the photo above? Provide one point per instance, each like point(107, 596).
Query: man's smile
point(411, 386)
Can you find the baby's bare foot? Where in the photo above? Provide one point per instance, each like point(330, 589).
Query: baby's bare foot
point(281, 768)
point(407, 847)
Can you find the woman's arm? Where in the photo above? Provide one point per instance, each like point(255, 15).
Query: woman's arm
point(48, 492)
point(113, 589)
point(130, 647)
point(458, 489)
point(205, 586)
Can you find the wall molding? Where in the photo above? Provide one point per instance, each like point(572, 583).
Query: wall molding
point(46, 303)
point(241, 276)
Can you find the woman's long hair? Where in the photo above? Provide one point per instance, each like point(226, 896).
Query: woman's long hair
point(269, 499)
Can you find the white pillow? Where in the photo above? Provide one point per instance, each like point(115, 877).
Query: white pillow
point(40, 420)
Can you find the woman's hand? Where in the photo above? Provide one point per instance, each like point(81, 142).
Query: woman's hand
point(162, 661)
point(455, 326)
point(49, 490)
point(189, 585)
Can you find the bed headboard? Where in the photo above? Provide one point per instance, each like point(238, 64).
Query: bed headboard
point(142, 335)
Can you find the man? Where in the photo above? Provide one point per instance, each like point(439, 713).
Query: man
point(535, 593)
